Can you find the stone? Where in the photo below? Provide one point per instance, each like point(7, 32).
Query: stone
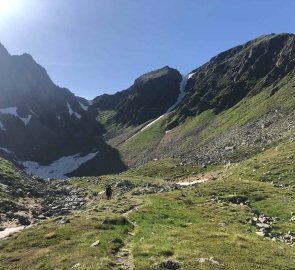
point(76, 265)
point(260, 233)
point(96, 243)
point(213, 261)
point(23, 220)
point(264, 226)
point(170, 264)
point(64, 220)
point(201, 260)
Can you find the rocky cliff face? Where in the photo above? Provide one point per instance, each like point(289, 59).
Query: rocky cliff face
point(229, 95)
point(238, 103)
point(150, 96)
point(239, 72)
point(42, 122)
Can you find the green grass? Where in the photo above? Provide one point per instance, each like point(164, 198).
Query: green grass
point(197, 131)
point(8, 170)
point(182, 224)
point(184, 227)
point(52, 246)
point(168, 169)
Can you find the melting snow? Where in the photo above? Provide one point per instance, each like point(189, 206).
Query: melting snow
point(26, 120)
point(2, 127)
point(84, 107)
point(181, 92)
point(13, 111)
point(6, 150)
point(71, 112)
point(192, 183)
point(10, 110)
point(151, 123)
point(180, 97)
point(58, 168)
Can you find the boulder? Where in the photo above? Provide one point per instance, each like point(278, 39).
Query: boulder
point(170, 264)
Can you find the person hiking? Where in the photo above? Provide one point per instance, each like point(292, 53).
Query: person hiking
point(109, 192)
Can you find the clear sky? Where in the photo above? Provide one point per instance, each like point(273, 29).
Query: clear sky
point(101, 46)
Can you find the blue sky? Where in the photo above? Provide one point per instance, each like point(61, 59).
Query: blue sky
point(102, 46)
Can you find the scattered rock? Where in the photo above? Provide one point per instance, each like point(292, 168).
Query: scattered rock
point(171, 264)
point(64, 220)
point(210, 260)
point(76, 265)
point(23, 220)
point(96, 243)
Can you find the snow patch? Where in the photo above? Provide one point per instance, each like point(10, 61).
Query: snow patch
point(180, 97)
point(190, 75)
point(151, 123)
point(6, 150)
point(26, 120)
point(58, 168)
point(181, 92)
point(192, 183)
point(13, 111)
point(2, 127)
point(71, 112)
point(10, 110)
point(84, 107)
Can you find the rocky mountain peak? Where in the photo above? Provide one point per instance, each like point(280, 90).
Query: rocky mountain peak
point(3, 51)
point(239, 72)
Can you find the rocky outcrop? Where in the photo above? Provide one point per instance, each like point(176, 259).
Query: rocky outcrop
point(42, 122)
point(239, 72)
point(149, 97)
point(240, 142)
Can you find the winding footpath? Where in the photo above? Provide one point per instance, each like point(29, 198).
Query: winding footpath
point(124, 257)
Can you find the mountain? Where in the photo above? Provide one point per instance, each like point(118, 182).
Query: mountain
point(212, 178)
point(230, 108)
point(150, 96)
point(41, 123)
point(238, 103)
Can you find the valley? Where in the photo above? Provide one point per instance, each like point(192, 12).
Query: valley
point(201, 166)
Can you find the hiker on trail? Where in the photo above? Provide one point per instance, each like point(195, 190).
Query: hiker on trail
point(109, 192)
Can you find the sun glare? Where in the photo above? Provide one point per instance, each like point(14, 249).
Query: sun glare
point(8, 6)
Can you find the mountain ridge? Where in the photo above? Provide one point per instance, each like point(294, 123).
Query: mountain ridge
point(70, 125)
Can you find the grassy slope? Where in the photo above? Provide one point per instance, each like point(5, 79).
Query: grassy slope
point(198, 130)
point(9, 175)
point(181, 224)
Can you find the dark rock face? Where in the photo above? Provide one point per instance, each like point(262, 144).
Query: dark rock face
point(244, 70)
point(43, 122)
point(149, 97)
point(49, 126)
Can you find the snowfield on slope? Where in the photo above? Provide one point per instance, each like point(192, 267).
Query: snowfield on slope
point(59, 168)
point(71, 112)
point(2, 127)
point(180, 97)
point(13, 111)
point(84, 107)
point(6, 150)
